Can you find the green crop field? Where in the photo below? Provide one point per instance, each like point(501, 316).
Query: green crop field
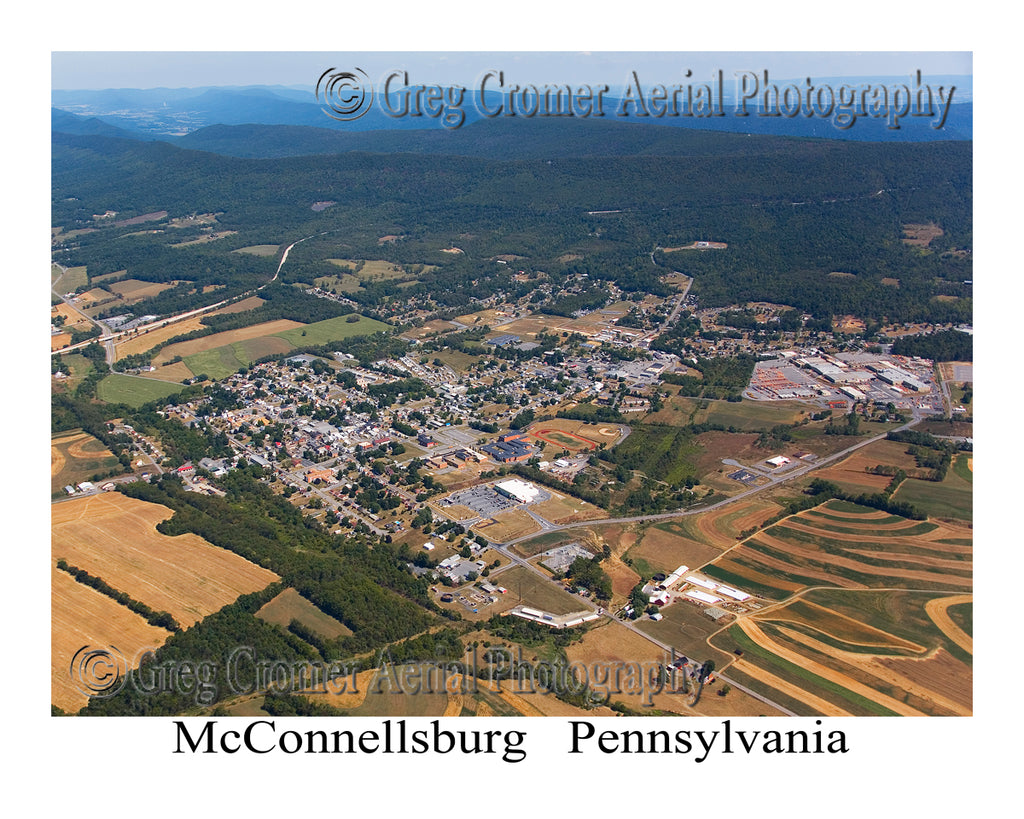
point(335, 329)
point(132, 390)
point(953, 498)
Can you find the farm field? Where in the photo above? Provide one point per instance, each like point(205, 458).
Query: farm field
point(221, 354)
point(868, 552)
point(76, 457)
point(114, 537)
point(207, 343)
point(850, 473)
point(133, 390)
point(131, 290)
point(81, 616)
point(666, 546)
point(333, 329)
point(862, 652)
point(290, 605)
point(953, 498)
point(258, 250)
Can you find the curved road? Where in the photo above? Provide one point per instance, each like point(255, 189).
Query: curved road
point(109, 338)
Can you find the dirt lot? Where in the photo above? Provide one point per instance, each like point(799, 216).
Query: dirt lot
point(564, 509)
point(507, 525)
point(920, 235)
point(114, 537)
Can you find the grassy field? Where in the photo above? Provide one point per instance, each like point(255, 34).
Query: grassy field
point(666, 454)
point(335, 329)
point(531, 589)
point(71, 280)
point(258, 250)
point(953, 498)
point(290, 605)
point(132, 390)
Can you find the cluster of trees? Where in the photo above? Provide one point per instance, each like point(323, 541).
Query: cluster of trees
point(161, 619)
point(945, 345)
point(587, 572)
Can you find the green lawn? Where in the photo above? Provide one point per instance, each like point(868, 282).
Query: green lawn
point(117, 388)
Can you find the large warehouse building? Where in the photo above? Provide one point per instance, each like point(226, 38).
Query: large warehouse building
point(517, 490)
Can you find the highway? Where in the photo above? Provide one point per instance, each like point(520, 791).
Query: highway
point(109, 338)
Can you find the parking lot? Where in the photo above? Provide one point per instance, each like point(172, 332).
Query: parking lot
point(481, 499)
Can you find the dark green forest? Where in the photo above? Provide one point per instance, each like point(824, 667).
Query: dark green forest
point(793, 211)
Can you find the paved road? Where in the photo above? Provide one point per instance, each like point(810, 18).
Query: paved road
point(109, 338)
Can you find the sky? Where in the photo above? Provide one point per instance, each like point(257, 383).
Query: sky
point(186, 69)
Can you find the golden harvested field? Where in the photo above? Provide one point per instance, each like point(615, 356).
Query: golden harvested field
point(176, 372)
point(198, 345)
point(144, 341)
point(59, 340)
point(70, 314)
point(114, 537)
point(132, 289)
point(242, 306)
point(81, 616)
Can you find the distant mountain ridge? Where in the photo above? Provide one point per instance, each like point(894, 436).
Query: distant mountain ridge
point(185, 113)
